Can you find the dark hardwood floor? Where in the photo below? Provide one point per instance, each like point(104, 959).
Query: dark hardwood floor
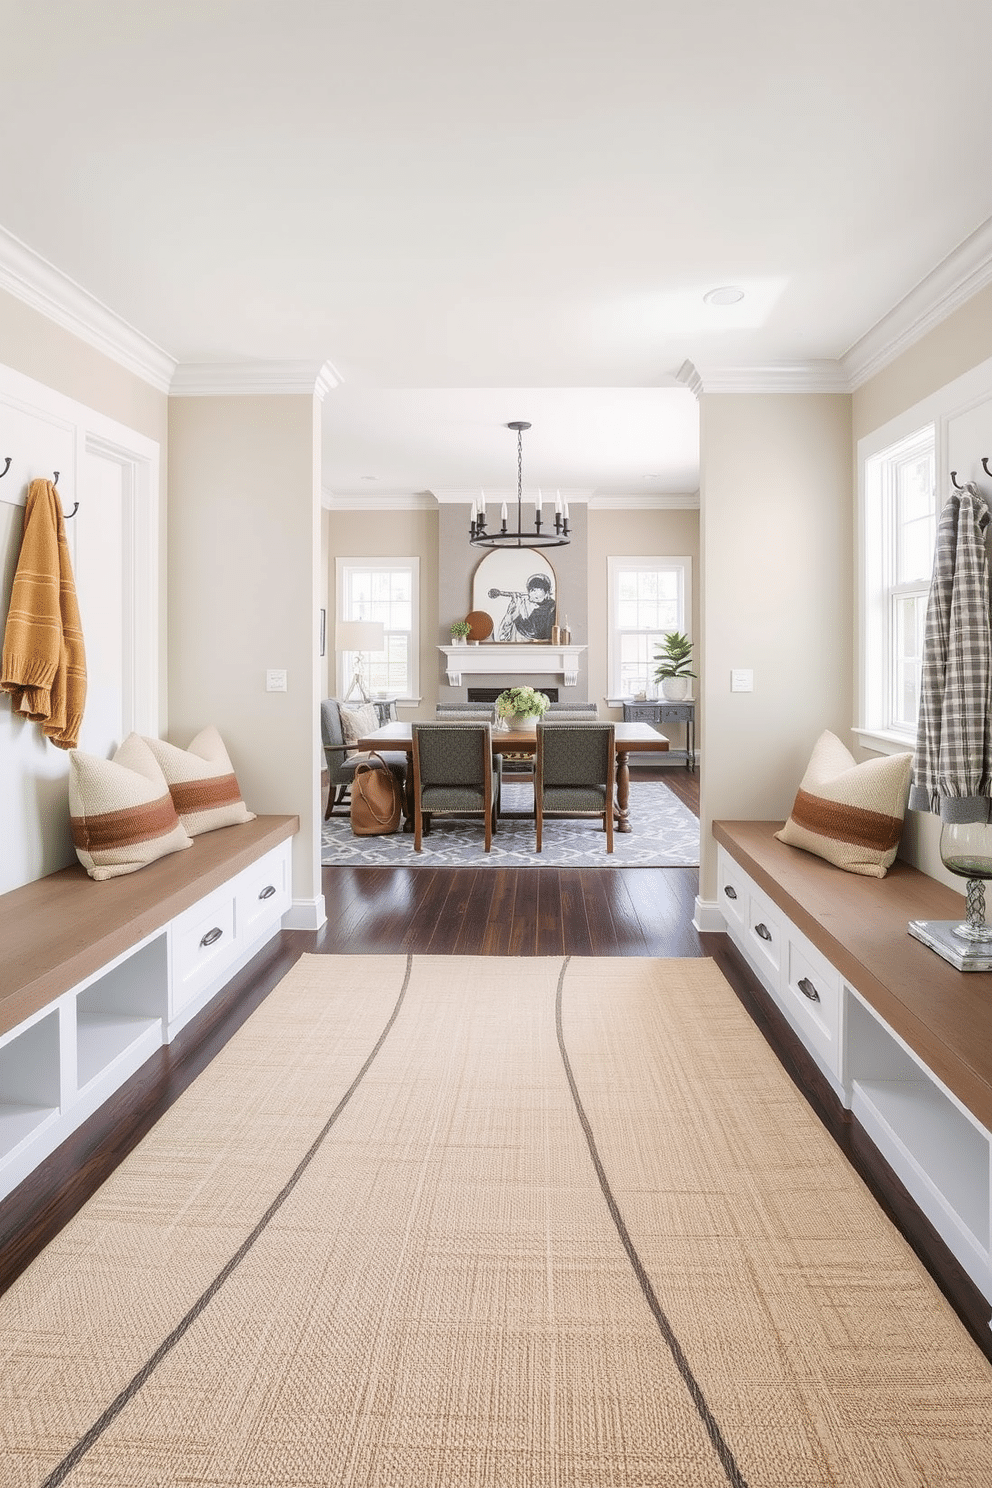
point(489, 912)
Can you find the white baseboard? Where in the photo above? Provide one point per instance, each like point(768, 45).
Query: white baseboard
point(708, 917)
point(305, 914)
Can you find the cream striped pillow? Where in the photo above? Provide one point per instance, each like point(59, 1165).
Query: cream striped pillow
point(202, 782)
point(848, 813)
point(120, 811)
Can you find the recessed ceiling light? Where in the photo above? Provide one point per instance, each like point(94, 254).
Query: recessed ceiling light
point(369, 477)
point(729, 294)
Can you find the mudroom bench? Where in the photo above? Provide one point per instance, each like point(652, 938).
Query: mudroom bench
point(904, 1038)
point(94, 977)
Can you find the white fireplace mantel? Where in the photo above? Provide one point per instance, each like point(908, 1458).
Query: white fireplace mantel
point(521, 658)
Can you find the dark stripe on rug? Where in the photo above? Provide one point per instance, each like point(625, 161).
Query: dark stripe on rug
point(92, 1436)
point(727, 1460)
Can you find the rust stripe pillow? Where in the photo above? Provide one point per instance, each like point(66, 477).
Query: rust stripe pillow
point(202, 782)
point(120, 811)
point(848, 813)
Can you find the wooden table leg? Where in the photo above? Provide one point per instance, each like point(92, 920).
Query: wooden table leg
point(623, 790)
point(408, 822)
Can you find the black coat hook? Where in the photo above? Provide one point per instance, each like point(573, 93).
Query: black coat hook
point(56, 480)
point(985, 465)
point(954, 481)
point(6, 467)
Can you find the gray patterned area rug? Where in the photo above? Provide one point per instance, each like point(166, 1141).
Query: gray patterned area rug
point(665, 835)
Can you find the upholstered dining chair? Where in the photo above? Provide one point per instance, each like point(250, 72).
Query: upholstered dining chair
point(575, 773)
point(454, 775)
point(341, 757)
point(485, 712)
point(573, 710)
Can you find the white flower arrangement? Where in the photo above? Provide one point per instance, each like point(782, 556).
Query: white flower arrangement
point(524, 701)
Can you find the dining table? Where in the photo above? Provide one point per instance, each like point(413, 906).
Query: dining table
point(629, 738)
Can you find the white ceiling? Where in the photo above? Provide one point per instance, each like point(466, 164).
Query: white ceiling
point(479, 213)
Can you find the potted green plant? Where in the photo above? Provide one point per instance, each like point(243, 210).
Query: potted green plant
point(459, 632)
point(674, 667)
point(521, 707)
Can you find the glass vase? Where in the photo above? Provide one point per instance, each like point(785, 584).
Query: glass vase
point(966, 849)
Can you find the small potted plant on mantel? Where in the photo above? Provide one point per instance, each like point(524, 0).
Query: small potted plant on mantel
point(459, 632)
point(674, 667)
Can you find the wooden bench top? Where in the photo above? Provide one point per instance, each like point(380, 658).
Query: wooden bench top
point(64, 927)
point(860, 926)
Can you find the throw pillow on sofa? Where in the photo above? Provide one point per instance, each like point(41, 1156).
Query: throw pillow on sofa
point(848, 813)
point(120, 811)
point(202, 782)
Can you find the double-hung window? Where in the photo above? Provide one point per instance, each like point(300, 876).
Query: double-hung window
point(648, 597)
point(386, 590)
point(900, 527)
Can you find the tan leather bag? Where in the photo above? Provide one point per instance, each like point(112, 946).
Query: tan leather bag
point(376, 799)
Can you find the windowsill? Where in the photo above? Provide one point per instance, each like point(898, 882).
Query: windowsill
point(882, 741)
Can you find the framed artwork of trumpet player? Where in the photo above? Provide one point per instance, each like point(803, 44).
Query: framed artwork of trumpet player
point(518, 589)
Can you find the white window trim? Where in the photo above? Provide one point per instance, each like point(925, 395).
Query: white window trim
point(614, 566)
point(392, 561)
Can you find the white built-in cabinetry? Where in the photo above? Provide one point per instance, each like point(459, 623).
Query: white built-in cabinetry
point(935, 1144)
point(62, 1060)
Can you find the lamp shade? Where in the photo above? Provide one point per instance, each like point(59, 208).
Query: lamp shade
point(359, 635)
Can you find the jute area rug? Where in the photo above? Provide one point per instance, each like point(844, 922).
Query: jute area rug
point(439, 1222)
point(665, 835)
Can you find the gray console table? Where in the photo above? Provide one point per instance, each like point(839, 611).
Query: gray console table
point(661, 711)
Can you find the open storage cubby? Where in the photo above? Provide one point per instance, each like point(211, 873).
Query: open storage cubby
point(938, 1149)
point(30, 1094)
point(120, 1016)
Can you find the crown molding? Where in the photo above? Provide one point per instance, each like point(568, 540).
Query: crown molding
point(246, 379)
point(421, 501)
point(772, 377)
point(688, 501)
point(31, 279)
point(496, 495)
point(956, 279)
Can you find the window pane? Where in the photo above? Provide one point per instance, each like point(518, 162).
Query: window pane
point(909, 620)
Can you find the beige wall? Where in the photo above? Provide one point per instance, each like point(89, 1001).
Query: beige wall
point(777, 597)
point(389, 534)
point(244, 553)
point(634, 534)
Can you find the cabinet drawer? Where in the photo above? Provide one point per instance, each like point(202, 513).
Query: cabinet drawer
point(733, 892)
point(203, 943)
point(640, 712)
point(676, 712)
point(811, 998)
point(764, 938)
point(263, 895)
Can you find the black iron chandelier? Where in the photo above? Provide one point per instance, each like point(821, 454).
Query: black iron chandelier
point(507, 537)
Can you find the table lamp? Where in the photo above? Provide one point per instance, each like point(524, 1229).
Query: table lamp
point(359, 636)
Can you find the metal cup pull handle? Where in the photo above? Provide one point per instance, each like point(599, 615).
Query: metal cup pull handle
point(212, 936)
point(762, 931)
point(730, 891)
point(807, 989)
point(268, 891)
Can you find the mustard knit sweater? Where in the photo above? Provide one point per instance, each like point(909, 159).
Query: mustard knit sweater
point(44, 662)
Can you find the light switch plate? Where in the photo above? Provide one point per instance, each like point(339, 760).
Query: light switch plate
point(741, 680)
point(275, 680)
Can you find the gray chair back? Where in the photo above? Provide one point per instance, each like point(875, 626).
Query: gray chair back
point(572, 710)
point(453, 774)
point(575, 773)
point(341, 758)
point(482, 712)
